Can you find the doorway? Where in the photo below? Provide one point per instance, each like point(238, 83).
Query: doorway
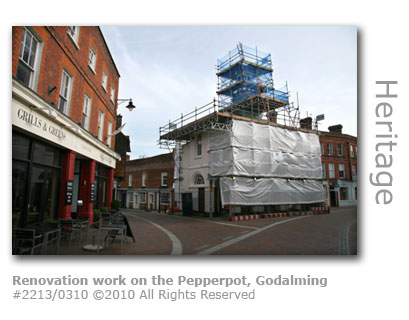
point(201, 200)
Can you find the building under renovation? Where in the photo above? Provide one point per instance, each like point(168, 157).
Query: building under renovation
point(244, 152)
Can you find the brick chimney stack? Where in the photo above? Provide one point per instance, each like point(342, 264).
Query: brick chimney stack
point(335, 129)
point(306, 123)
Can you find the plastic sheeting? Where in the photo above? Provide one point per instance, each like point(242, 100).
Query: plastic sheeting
point(269, 191)
point(257, 150)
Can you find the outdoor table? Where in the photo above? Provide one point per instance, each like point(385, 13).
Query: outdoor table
point(119, 228)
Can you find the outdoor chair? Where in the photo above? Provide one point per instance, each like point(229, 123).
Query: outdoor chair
point(26, 240)
point(69, 229)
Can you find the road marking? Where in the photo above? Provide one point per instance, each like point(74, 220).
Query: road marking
point(343, 244)
point(202, 247)
point(245, 236)
point(176, 244)
point(227, 238)
point(222, 223)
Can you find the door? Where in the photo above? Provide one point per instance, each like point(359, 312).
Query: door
point(43, 194)
point(19, 185)
point(201, 200)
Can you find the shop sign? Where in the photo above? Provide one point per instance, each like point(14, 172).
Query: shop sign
point(69, 192)
point(93, 192)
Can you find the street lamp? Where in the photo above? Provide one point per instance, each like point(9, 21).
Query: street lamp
point(130, 105)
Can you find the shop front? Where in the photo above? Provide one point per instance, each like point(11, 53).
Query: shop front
point(59, 170)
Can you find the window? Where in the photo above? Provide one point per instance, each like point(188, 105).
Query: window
point(353, 170)
point(322, 148)
point(164, 179)
point(92, 59)
point(65, 93)
point(104, 80)
point(331, 170)
point(330, 151)
point(144, 180)
point(344, 193)
point(165, 198)
point(27, 64)
point(130, 181)
point(341, 169)
point(74, 32)
point(324, 174)
point(143, 197)
point(199, 145)
point(113, 94)
point(199, 179)
point(340, 149)
point(351, 151)
point(86, 112)
point(109, 132)
point(100, 124)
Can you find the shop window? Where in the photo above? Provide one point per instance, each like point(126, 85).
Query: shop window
point(21, 147)
point(143, 197)
point(65, 93)
point(46, 155)
point(28, 63)
point(344, 194)
point(165, 198)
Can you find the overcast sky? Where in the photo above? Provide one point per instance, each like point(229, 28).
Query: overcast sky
point(170, 70)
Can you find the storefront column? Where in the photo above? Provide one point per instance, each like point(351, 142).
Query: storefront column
point(67, 175)
point(110, 186)
point(87, 178)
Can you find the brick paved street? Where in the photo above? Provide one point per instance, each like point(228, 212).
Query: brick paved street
point(162, 234)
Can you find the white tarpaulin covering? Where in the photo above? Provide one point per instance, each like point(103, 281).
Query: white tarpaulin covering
point(258, 150)
point(272, 154)
point(269, 191)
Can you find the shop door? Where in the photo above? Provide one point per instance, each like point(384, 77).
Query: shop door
point(19, 185)
point(43, 194)
point(201, 200)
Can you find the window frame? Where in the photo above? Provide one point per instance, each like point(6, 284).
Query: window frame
point(351, 151)
point(76, 35)
point(66, 108)
point(322, 148)
point(112, 94)
point(323, 170)
point(343, 176)
point(199, 145)
point(130, 181)
point(330, 149)
point(167, 201)
point(340, 149)
point(85, 125)
point(164, 175)
point(331, 176)
point(100, 128)
point(104, 82)
point(109, 133)
point(92, 59)
point(143, 179)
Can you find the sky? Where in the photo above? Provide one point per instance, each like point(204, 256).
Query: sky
point(170, 70)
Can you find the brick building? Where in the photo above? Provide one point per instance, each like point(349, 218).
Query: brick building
point(148, 183)
point(64, 93)
point(339, 166)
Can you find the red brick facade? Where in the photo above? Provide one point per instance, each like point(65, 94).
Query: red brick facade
point(59, 52)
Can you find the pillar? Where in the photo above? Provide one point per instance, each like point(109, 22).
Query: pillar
point(67, 174)
point(110, 187)
point(87, 178)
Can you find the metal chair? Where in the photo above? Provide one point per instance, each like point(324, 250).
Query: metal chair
point(69, 230)
point(26, 240)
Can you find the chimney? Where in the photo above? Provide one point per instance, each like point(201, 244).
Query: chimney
point(335, 129)
point(118, 121)
point(306, 123)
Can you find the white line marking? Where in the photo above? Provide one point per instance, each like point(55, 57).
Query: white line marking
point(202, 247)
point(223, 223)
point(227, 238)
point(245, 236)
point(176, 244)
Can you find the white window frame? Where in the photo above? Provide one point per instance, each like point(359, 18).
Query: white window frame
point(331, 170)
point(341, 168)
point(199, 145)
point(104, 80)
point(143, 197)
point(130, 181)
point(323, 170)
point(100, 124)
point(340, 151)
point(353, 170)
point(34, 64)
point(86, 111)
point(164, 179)
point(322, 148)
point(92, 58)
point(74, 32)
point(112, 94)
point(198, 179)
point(330, 149)
point(143, 179)
point(65, 92)
point(151, 198)
point(164, 201)
point(109, 140)
point(351, 150)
